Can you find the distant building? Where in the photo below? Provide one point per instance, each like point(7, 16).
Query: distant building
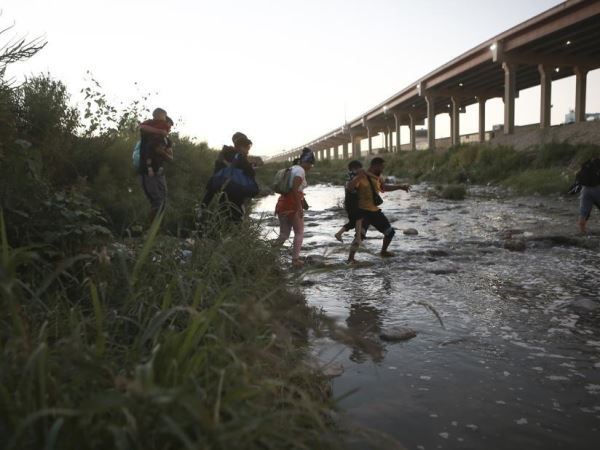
point(570, 117)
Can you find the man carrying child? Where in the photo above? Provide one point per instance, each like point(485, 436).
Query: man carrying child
point(155, 149)
point(368, 185)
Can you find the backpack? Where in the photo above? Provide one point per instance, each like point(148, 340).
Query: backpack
point(589, 175)
point(135, 155)
point(282, 183)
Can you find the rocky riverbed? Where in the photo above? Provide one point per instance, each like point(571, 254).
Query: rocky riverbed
point(482, 332)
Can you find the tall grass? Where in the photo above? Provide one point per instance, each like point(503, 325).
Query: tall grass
point(152, 348)
point(109, 341)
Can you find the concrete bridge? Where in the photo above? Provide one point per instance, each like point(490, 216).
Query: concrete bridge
point(561, 42)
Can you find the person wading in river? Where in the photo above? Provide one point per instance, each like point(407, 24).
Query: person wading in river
point(350, 200)
point(290, 207)
point(368, 184)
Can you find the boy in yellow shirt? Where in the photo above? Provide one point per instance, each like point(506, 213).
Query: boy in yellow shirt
point(368, 185)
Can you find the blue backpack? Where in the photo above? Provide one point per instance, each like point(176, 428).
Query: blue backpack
point(234, 182)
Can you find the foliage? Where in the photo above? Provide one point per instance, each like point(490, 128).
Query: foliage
point(156, 348)
point(113, 342)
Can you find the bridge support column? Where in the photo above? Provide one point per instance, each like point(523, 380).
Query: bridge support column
point(356, 150)
point(390, 148)
point(386, 140)
point(345, 150)
point(481, 102)
point(397, 120)
point(370, 139)
point(455, 122)
point(328, 153)
point(336, 152)
point(430, 121)
point(413, 135)
point(546, 95)
point(580, 93)
point(510, 87)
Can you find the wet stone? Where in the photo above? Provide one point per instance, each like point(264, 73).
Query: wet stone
point(515, 245)
point(312, 225)
point(411, 232)
point(585, 304)
point(398, 334)
point(438, 253)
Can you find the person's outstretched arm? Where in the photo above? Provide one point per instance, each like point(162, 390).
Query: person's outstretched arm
point(396, 187)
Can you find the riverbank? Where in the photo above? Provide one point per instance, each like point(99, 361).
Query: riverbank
point(179, 339)
point(547, 169)
point(158, 344)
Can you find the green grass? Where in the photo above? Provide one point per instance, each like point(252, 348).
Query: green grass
point(139, 347)
point(539, 181)
point(546, 169)
point(108, 341)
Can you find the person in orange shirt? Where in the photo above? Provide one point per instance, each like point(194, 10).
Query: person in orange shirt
point(290, 207)
point(368, 185)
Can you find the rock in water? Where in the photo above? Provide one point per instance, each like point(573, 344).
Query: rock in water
point(333, 370)
point(585, 305)
point(410, 232)
point(515, 245)
point(398, 334)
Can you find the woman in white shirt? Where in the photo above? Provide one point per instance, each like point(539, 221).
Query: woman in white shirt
point(290, 206)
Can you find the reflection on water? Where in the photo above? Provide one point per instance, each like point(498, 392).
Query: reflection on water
point(518, 362)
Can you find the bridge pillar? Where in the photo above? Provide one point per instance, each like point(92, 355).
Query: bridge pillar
point(481, 102)
point(390, 147)
point(413, 137)
point(345, 150)
point(356, 147)
point(510, 87)
point(386, 140)
point(336, 152)
point(580, 93)
point(455, 122)
point(370, 139)
point(328, 153)
point(546, 95)
point(430, 121)
point(397, 120)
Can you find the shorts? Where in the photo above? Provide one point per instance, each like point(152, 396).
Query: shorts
point(589, 197)
point(376, 219)
point(352, 218)
point(155, 189)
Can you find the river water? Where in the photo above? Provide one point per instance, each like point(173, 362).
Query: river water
point(516, 364)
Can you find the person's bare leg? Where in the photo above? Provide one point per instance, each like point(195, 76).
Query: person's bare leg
point(384, 248)
point(339, 234)
point(356, 242)
point(582, 225)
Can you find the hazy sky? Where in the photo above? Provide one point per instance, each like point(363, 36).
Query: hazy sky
point(284, 72)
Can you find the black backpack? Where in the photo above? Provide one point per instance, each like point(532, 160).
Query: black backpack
point(589, 175)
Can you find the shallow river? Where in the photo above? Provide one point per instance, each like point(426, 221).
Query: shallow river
point(516, 364)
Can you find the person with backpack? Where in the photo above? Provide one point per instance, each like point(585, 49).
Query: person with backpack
point(291, 205)
point(589, 180)
point(350, 200)
point(233, 181)
point(368, 185)
point(155, 149)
